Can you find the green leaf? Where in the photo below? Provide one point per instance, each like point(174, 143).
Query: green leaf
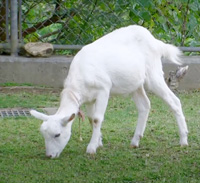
point(145, 15)
point(194, 6)
point(145, 3)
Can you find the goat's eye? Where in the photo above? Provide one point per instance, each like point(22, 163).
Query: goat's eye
point(57, 135)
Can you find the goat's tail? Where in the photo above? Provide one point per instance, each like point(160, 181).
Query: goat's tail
point(170, 52)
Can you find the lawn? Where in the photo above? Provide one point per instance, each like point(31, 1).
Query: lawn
point(158, 159)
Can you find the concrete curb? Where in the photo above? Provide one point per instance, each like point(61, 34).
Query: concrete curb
point(52, 71)
point(191, 80)
point(49, 72)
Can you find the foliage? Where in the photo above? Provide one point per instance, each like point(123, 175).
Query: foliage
point(158, 159)
point(81, 22)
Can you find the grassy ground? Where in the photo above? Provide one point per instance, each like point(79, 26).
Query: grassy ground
point(158, 159)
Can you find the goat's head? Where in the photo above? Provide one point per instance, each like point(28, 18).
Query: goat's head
point(56, 131)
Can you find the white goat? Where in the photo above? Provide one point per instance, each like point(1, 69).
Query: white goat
point(119, 63)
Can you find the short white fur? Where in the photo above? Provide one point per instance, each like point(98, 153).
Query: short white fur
point(120, 63)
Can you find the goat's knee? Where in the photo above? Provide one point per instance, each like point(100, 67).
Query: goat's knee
point(96, 140)
point(176, 106)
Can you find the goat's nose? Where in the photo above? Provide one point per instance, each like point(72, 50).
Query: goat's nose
point(49, 156)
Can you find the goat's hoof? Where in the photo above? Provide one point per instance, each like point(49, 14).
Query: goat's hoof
point(135, 143)
point(91, 149)
point(100, 144)
point(92, 152)
point(183, 142)
point(134, 146)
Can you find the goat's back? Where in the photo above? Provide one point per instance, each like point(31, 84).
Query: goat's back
point(119, 61)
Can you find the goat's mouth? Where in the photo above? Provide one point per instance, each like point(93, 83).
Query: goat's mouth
point(52, 156)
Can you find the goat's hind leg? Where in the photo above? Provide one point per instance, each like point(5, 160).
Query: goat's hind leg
point(160, 88)
point(143, 105)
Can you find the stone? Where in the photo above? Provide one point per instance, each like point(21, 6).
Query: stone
point(39, 49)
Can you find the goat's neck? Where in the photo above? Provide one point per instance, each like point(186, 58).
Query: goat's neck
point(69, 104)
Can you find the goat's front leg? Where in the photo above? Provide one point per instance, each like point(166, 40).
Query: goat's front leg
point(96, 140)
point(96, 115)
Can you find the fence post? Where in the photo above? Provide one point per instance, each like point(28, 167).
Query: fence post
point(7, 22)
point(14, 28)
point(20, 21)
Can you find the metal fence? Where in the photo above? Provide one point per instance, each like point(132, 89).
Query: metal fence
point(70, 24)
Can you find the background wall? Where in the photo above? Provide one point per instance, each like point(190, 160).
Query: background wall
point(52, 71)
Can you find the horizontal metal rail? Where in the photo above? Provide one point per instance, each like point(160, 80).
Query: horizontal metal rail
point(78, 47)
point(67, 47)
point(190, 49)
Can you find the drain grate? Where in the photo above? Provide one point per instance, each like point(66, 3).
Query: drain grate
point(14, 112)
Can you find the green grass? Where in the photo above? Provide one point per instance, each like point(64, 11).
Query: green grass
point(28, 100)
point(14, 84)
point(158, 159)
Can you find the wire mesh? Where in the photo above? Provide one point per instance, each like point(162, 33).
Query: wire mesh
point(79, 22)
point(70, 22)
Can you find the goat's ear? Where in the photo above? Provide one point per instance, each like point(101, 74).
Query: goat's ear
point(39, 115)
point(71, 117)
point(66, 120)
